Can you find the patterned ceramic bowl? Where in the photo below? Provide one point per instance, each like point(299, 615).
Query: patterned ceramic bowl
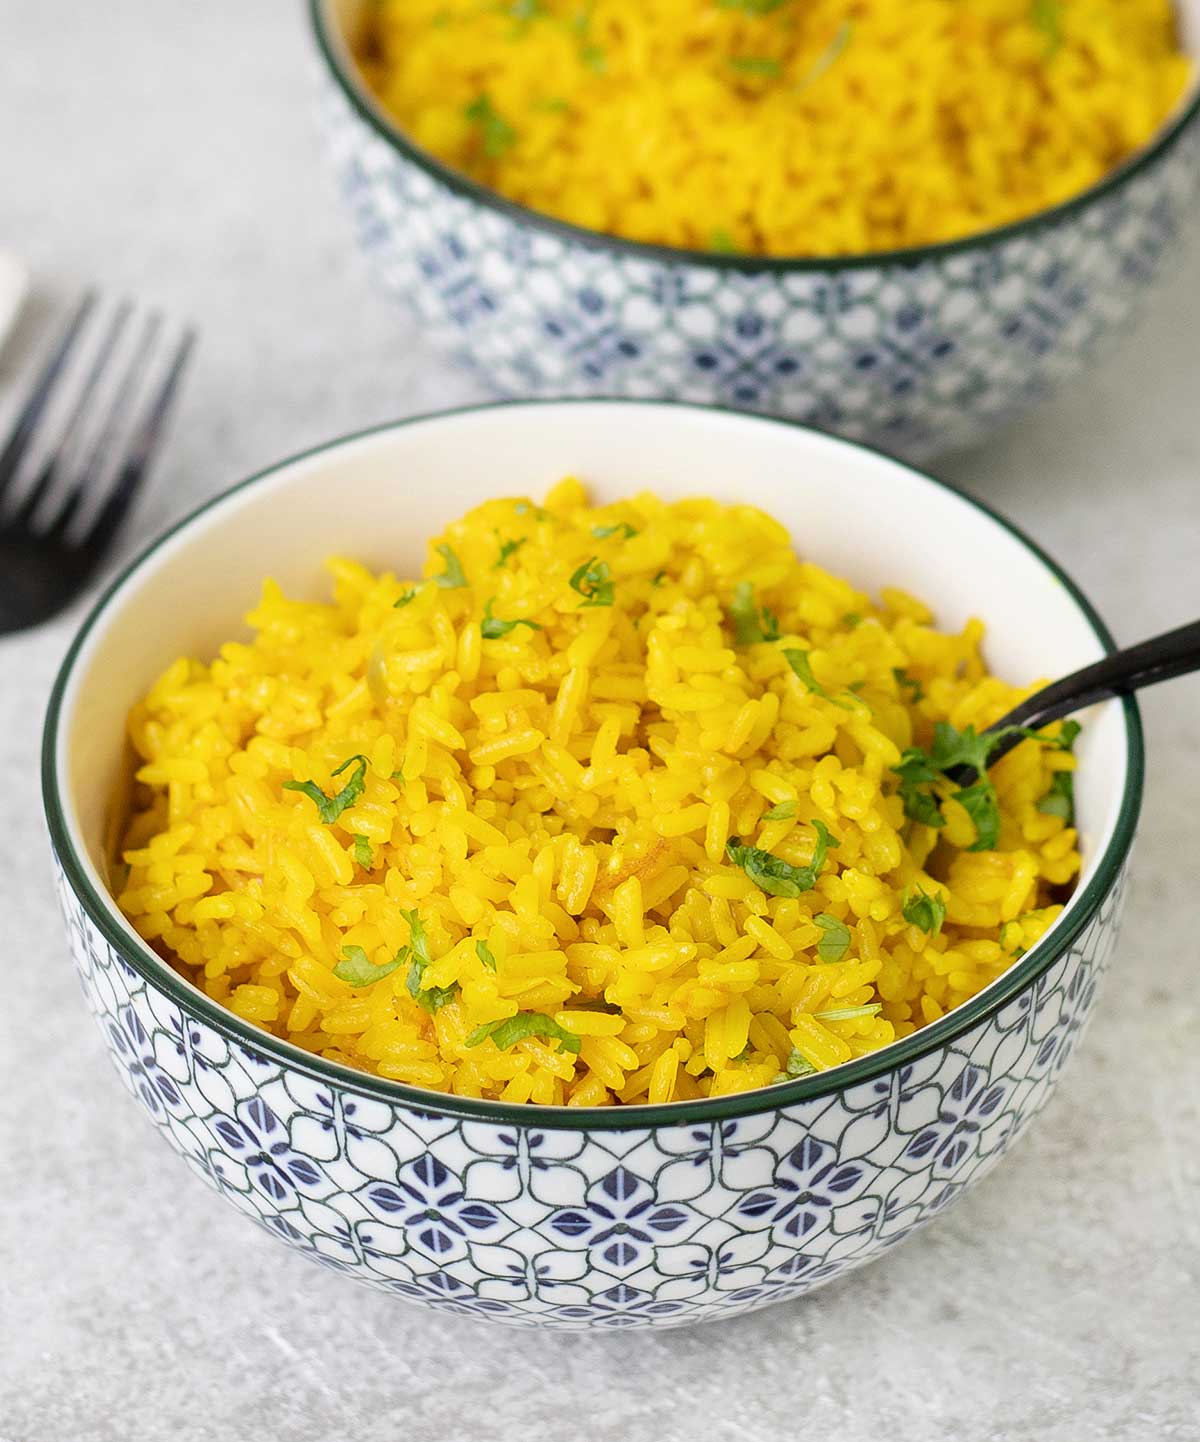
point(602, 1217)
point(912, 351)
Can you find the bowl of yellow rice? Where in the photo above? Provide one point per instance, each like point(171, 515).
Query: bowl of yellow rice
point(509, 854)
point(902, 223)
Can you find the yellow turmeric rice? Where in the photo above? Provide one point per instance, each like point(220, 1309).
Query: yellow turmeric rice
point(617, 804)
point(779, 127)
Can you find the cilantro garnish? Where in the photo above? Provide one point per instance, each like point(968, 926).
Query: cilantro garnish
point(431, 998)
point(359, 970)
point(783, 812)
point(1047, 16)
point(834, 945)
point(453, 577)
point(484, 952)
point(910, 684)
point(493, 627)
point(406, 597)
point(329, 808)
point(602, 533)
point(752, 7)
point(829, 56)
point(509, 548)
point(1060, 799)
point(952, 749)
point(762, 66)
point(722, 242)
point(363, 853)
point(498, 135)
point(512, 1029)
point(525, 508)
point(849, 1013)
point(798, 1065)
point(750, 624)
point(799, 662)
point(926, 911)
point(775, 876)
point(592, 582)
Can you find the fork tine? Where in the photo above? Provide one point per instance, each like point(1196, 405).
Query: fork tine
point(122, 398)
point(141, 451)
point(18, 441)
point(49, 472)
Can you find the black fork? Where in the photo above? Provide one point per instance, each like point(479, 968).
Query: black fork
point(45, 561)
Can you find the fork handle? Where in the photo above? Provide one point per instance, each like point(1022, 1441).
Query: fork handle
point(1176, 653)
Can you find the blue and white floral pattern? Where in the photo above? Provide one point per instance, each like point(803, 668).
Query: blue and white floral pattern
point(914, 357)
point(548, 1223)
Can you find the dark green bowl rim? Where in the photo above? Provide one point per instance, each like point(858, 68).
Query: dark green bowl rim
point(102, 911)
point(463, 185)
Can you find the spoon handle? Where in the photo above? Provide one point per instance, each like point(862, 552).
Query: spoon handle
point(1174, 654)
point(1159, 659)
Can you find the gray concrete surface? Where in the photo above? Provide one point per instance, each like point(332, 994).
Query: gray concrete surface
point(166, 148)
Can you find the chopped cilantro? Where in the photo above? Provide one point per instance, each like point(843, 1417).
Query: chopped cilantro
point(775, 876)
point(752, 7)
point(852, 619)
point(926, 911)
point(358, 970)
point(602, 533)
point(406, 597)
point(834, 945)
point(509, 548)
point(512, 1029)
point(493, 627)
point(1060, 799)
point(762, 66)
point(526, 508)
point(1047, 16)
point(722, 242)
point(497, 134)
point(799, 662)
point(982, 805)
point(453, 577)
point(849, 1013)
point(910, 684)
point(783, 812)
point(829, 56)
point(484, 952)
point(798, 1065)
point(329, 808)
point(744, 1054)
point(363, 853)
point(434, 997)
point(397, 775)
point(592, 582)
point(951, 749)
point(750, 623)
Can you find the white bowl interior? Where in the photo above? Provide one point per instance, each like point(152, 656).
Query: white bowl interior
point(381, 496)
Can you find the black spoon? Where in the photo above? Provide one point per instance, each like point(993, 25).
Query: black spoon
point(1162, 657)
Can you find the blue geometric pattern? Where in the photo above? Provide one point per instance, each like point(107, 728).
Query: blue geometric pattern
point(911, 357)
point(539, 1226)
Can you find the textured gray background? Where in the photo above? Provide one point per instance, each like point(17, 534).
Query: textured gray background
point(165, 147)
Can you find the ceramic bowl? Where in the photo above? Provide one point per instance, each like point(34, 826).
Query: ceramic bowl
point(914, 351)
point(608, 1217)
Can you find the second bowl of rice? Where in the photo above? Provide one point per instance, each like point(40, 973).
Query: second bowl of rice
point(902, 226)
